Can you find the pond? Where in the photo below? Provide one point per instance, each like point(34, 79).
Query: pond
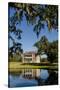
point(33, 77)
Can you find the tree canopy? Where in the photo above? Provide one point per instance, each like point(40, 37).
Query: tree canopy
point(37, 15)
point(49, 48)
point(13, 31)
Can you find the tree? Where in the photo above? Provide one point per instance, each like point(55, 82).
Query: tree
point(37, 15)
point(42, 44)
point(52, 51)
point(13, 31)
point(49, 48)
point(15, 52)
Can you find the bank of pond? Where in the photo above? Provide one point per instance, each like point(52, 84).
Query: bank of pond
point(16, 66)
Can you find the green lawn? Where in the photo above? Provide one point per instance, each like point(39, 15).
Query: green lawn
point(17, 66)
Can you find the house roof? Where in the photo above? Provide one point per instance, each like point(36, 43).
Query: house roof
point(30, 52)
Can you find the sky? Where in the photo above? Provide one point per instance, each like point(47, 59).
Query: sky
point(29, 37)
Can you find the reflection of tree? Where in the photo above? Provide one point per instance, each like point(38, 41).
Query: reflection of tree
point(52, 79)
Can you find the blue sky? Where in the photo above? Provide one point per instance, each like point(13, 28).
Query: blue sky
point(29, 37)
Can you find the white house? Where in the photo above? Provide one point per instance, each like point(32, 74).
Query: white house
point(31, 57)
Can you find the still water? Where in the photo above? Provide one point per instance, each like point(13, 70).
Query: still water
point(33, 77)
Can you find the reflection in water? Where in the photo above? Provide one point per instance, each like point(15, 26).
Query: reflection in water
point(52, 79)
point(31, 73)
point(33, 77)
point(44, 74)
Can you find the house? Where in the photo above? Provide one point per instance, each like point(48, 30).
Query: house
point(31, 57)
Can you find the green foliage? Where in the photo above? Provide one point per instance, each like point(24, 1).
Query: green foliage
point(37, 15)
point(15, 52)
point(42, 44)
point(44, 60)
point(52, 51)
point(49, 48)
point(13, 31)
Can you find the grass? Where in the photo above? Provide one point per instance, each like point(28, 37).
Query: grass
point(17, 66)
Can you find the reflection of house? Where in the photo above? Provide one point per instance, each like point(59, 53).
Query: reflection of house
point(31, 73)
point(31, 57)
